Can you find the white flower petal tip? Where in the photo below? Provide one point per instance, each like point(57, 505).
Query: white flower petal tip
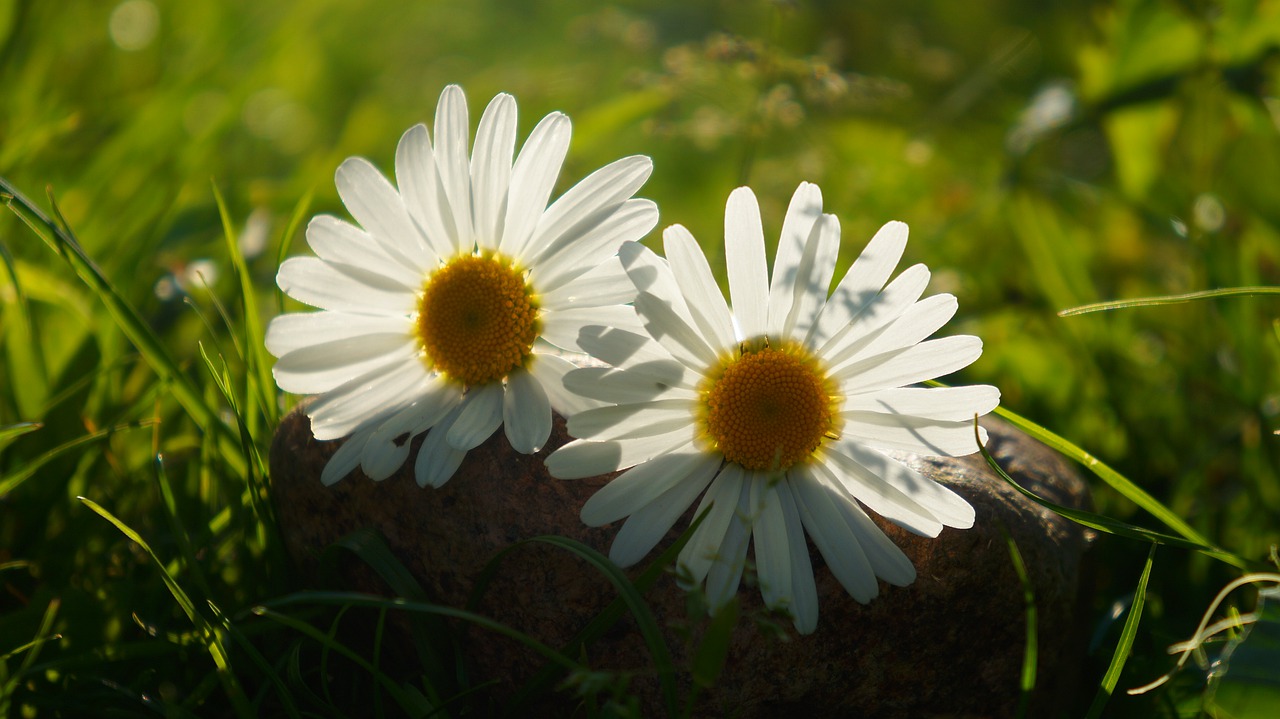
point(433, 295)
point(779, 408)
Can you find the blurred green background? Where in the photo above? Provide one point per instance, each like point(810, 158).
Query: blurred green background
point(1045, 155)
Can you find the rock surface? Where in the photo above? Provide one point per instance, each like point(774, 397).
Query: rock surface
point(949, 645)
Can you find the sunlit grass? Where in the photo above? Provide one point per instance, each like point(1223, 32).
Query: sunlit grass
point(156, 174)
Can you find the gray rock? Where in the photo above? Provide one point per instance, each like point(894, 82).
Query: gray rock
point(949, 645)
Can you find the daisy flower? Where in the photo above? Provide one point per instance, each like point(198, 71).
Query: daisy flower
point(446, 307)
point(782, 413)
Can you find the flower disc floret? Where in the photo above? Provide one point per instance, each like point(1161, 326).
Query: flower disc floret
point(768, 408)
point(477, 319)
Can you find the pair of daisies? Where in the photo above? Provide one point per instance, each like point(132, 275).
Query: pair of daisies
point(450, 306)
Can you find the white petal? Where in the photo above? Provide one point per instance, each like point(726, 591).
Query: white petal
point(437, 460)
point(725, 572)
point(701, 293)
point(376, 205)
point(452, 133)
point(379, 393)
point(646, 527)
point(873, 316)
point(804, 592)
point(915, 325)
point(347, 458)
point(887, 559)
point(813, 277)
point(651, 273)
point(566, 328)
point(664, 325)
point(772, 553)
point(326, 365)
point(286, 333)
point(423, 193)
point(313, 281)
point(491, 167)
point(481, 414)
point(638, 486)
point(863, 280)
point(908, 511)
point(803, 213)
point(532, 180)
point(574, 252)
point(830, 531)
point(937, 403)
point(744, 258)
point(526, 412)
point(927, 360)
point(584, 458)
point(643, 419)
point(550, 372)
point(588, 203)
point(605, 284)
point(621, 348)
point(910, 434)
point(948, 507)
point(704, 547)
point(640, 383)
point(340, 243)
point(389, 446)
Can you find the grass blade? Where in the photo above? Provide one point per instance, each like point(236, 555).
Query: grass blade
point(13, 480)
point(1125, 645)
point(1030, 651)
point(1168, 299)
point(1107, 524)
point(9, 431)
point(130, 322)
point(1117, 481)
point(211, 637)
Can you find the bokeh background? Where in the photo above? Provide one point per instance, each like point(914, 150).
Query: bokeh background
point(1045, 155)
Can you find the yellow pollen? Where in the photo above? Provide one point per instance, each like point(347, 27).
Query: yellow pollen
point(768, 408)
point(477, 319)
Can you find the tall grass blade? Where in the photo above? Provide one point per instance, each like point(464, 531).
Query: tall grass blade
point(1107, 524)
point(356, 599)
point(1168, 299)
point(14, 479)
point(59, 238)
point(1030, 651)
point(23, 346)
point(1125, 645)
point(10, 431)
point(603, 621)
point(257, 362)
point(212, 638)
point(1117, 481)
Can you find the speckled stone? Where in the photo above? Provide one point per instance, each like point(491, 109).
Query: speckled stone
point(949, 645)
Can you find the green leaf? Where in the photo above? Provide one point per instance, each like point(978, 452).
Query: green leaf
point(1125, 645)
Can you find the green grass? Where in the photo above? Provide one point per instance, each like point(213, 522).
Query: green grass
point(131, 381)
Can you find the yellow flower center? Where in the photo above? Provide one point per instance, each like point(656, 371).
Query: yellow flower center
point(768, 407)
point(477, 319)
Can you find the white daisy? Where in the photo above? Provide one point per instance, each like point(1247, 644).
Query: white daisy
point(783, 410)
point(446, 307)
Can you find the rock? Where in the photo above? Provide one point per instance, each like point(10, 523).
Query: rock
point(949, 645)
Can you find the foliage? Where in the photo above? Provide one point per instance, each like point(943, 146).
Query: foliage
point(1046, 155)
